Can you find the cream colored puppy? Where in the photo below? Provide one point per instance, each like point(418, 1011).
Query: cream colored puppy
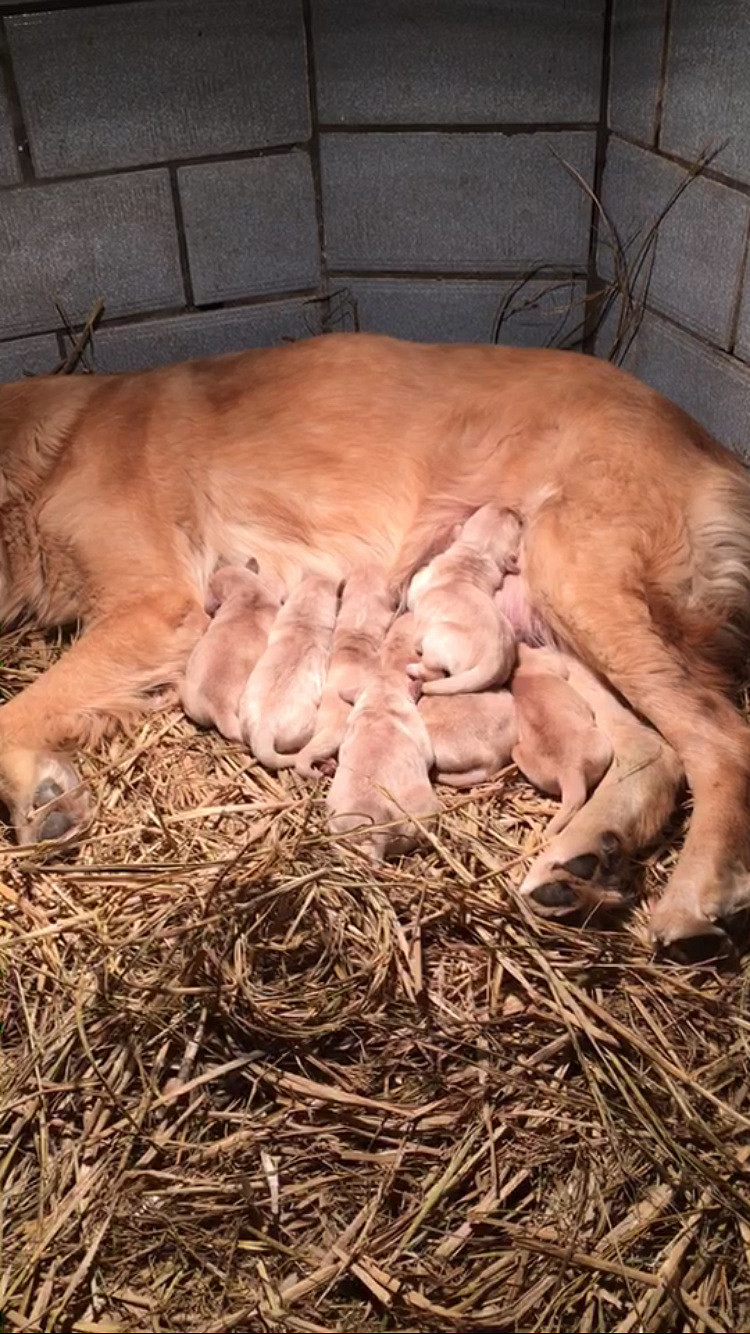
point(243, 605)
point(280, 702)
point(560, 749)
point(460, 630)
point(385, 758)
point(473, 736)
point(367, 609)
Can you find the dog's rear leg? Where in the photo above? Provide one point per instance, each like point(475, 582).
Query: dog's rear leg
point(594, 604)
point(103, 677)
point(577, 871)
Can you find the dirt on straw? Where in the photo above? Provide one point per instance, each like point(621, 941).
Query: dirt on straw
point(250, 1083)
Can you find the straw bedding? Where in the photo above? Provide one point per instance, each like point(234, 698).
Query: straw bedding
point(250, 1082)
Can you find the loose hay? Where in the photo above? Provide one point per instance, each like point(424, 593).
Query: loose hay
point(251, 1083)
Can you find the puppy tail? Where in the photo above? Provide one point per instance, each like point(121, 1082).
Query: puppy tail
point(262, 747)
point(324, 746)
point(574, 795)
point(480, 677)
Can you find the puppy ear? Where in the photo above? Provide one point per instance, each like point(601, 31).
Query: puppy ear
point(252, 565)
point(212, 603)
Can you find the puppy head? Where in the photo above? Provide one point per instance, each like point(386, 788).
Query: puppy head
point(230, 581)
point(496, 532)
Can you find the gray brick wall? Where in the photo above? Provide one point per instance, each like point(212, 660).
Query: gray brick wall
point(224, 173)
point(132, 84)
point(110, 235)
point(679, 87)
point(405, 61)
point(454, 201)
point(455, 310)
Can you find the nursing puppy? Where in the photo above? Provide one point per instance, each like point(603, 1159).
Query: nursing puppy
point(472, 736)
point(243, 605)
point(460, 630)
point(367, 609)
point(279, 704)
point(385, 758)
point(560, 749)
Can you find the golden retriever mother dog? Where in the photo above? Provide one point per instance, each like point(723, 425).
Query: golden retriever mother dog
point(118, 493)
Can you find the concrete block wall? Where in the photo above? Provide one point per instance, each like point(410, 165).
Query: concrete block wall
point(226, 173)
point(679, 85)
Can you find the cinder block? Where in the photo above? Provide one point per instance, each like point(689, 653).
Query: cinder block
point(708, 74)
point(111, 237)
point(250, 226)
point(638, 33)
point(712, 387)
point(10, 172)
point(457, 61)
point(121, 85)
point(157, 342)
point(700, 245)
point(454, 202)
point(28, 356)
point(442, 310)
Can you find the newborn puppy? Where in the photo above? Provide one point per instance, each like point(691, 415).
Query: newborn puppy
point(459, 628)
point(367, 609)
point(560, 749)
point(473, 736)
point(280, 701)
point(243, 606)
point(385, 758)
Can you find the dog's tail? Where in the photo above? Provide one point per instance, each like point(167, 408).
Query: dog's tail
point(699, 589)
point(261, 742)
point(480, 677)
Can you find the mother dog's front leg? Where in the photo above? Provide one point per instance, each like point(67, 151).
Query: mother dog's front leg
point(134, 648)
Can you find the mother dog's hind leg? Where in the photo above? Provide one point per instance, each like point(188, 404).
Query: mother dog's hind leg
point(577, 873)
point(589, 588)
point(136, 647)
